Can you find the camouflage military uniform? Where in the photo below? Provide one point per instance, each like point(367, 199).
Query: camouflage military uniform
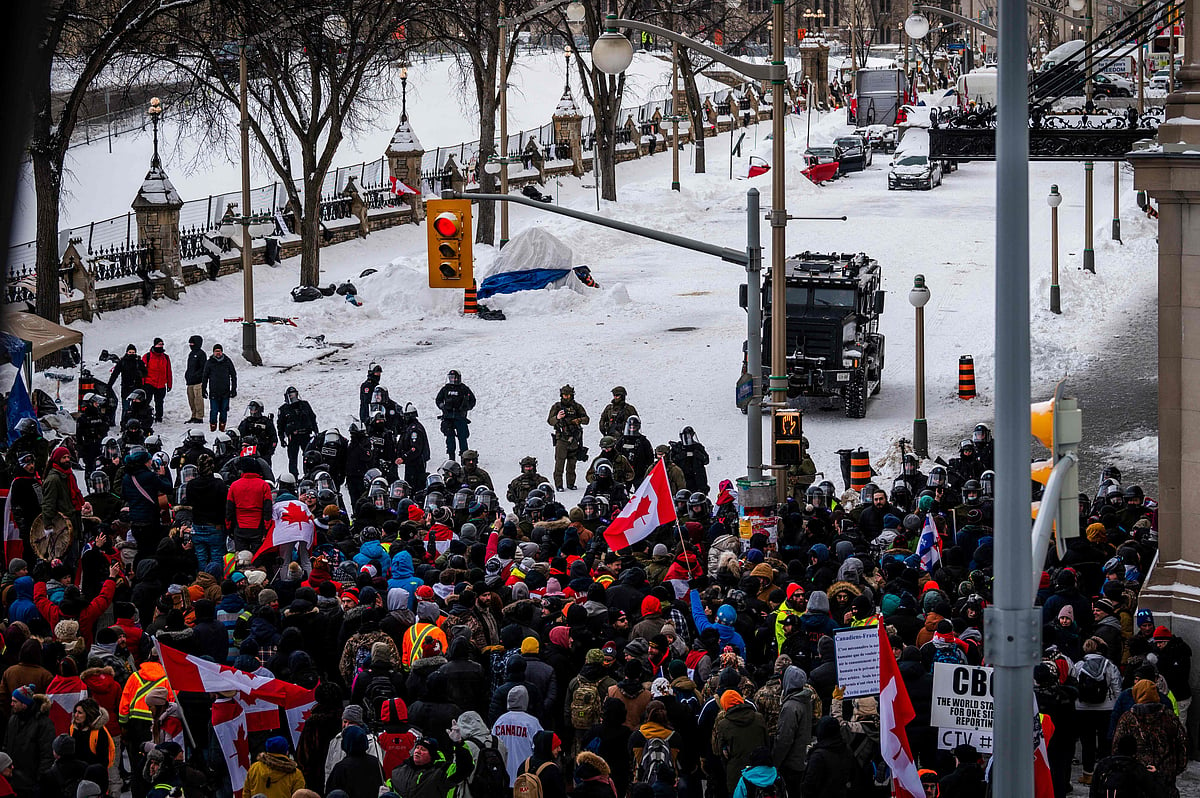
point(568, 435)
point(616, 413)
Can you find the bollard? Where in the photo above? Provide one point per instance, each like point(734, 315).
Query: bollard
point(860, 469)
point(966, 377)
point(470, 305)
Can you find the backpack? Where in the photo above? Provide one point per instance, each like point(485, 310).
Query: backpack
point(490, 776)
point(379, 691)
point(1092, 689)
point(655, 754)
point(396, 747)
point(1118, 782)
point(527, 784)
point(776, 790)
point(951, 653)
point(586, 705)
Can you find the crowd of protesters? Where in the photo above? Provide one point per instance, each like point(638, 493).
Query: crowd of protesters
point(463, 644)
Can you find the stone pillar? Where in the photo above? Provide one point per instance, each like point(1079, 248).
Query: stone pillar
point(358, 206)
point(404, 156)
point(157, 207)
point(814, 65)
point(1170, 174)
point(568, 127)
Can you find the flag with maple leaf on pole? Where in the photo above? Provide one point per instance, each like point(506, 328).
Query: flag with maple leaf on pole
point(229, 725)
point(64, 693)
point(895, 713)
point(648, 509)
point(291, 522)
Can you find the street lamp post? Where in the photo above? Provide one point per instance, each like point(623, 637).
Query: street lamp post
point(1089, 252)
point(154, 112)
point(1054, 199)
point(918, 297)
point(674, 116)
point(1116, 225)
point(249, 331)
point(404, 94)
point(612, 54)
point(917, 28)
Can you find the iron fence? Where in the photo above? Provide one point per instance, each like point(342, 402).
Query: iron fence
point(334, 207)
point(120, 262)
point(17, 285)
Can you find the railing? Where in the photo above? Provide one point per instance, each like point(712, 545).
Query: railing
point(16, 285)
point(379, 196)
point(335, 207)
point(120, 262)
point(191, 241)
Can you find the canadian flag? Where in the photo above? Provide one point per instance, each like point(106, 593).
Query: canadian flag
point(1043, 783)
point(400, 188)
point(229, 724)
point(260, 695)
point(64, 693)
point(650, 508)
point(291, 522)
point(895, 713)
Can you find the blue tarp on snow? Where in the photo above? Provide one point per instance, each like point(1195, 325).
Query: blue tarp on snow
point(511, 282)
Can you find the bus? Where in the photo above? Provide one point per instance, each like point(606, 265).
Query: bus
point(878, 95)
point(1158, 54)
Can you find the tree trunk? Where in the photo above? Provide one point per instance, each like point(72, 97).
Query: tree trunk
point(695, 108)
point(485, 212)
point(310, 235)
point(47, 181)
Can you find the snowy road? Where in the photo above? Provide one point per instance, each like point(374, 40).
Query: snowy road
point(622, 333)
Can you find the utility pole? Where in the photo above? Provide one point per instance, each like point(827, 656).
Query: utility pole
point(1089, 252)
point(503, 66)
point(249, 331)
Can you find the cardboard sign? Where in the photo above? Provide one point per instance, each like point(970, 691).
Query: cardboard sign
point(857, 656)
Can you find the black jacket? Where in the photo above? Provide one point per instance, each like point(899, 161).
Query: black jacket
point(194, 374)
point(828, 770)
point(220, 378)
point(455, 400)
point(965, 781)
point(296, 418)
point(132, 371)
point(206, 496)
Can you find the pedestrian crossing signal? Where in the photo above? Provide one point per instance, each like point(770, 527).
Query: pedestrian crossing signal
point(449, 243)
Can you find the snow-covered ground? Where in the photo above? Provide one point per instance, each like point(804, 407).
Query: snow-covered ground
point(665, 323)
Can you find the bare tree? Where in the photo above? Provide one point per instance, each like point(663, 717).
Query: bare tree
point(321, 70)
point(471, 29)
point(79, 41)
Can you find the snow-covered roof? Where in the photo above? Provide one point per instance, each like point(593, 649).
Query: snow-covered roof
point(566, 105)
point(157, 190)
point(404, 140)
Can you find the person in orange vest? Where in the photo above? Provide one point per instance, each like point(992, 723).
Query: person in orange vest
point(137, 718)
point(415, 636)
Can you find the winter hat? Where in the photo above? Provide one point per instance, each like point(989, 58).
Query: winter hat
point(24, 694)
point(651, 606)
point(520, 591)
point(1145, 616)
point(1067, 612)
point(267, 596)
point(1162, 633)
point(353, 713)
point(561, 636)
point(1096, 533)
point(530, 645)
point(87, 789)
point(63, 746)
point(381, 652)
point(668, 630)
point(637, 647)
point(354, 739)
point(5, 761)
point(660, 550)
point(58, 452)
point(1144, 692)
point(1106, 605)
point(468, 532)
point(1044, 582)
point(660, 687)
point(277, 745)
point(730, 699)
point(294, 572)
point(594, 657)
point(16, 565)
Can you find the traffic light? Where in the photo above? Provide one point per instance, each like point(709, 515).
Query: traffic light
point(1058, 425)
point(789, 437)
point(448, 223)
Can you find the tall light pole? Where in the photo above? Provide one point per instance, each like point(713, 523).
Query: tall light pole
point(612, 54)
point(918, 297)
point(404, 94)
point(1054, 199)
point(1089, 252)
point(249, 331)
point(674, 116)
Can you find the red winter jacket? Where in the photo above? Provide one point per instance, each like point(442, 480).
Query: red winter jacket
point(87, 619)
point(248, 504)
point(158, 369)
point(103, 686)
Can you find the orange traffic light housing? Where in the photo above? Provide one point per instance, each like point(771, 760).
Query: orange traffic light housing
point(448, 226)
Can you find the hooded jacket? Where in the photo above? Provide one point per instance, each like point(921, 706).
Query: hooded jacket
point(274, 775)
point(22, 608)
point(829, 762)
point(736, 736)
point(475, 733)
point(593, 777)
point(359, 772)
point(761, 776)
point(28, 740)
point(516, 730)
point(790, 751)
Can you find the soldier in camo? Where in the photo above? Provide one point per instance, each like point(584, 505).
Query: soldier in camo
point(528, 479)
point(616, 413)
point(472, 475)
point(568, 419)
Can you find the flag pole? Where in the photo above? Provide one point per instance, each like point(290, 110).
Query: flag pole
point(182, 715)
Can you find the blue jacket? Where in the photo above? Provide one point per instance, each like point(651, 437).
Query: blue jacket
point(141, 509)
point(373, 553)
point(729, 636)
point(402, 576)
point(758, 775)
point(23, 609)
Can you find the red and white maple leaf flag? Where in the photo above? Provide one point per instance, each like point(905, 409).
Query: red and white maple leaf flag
point(229, 724)
point(649, 508)
point(895, 713)
point(64, 693)
point(190, 674)
point(291, 522)
point(1043, 783)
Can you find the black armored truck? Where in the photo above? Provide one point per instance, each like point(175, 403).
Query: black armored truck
point(834, 347)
